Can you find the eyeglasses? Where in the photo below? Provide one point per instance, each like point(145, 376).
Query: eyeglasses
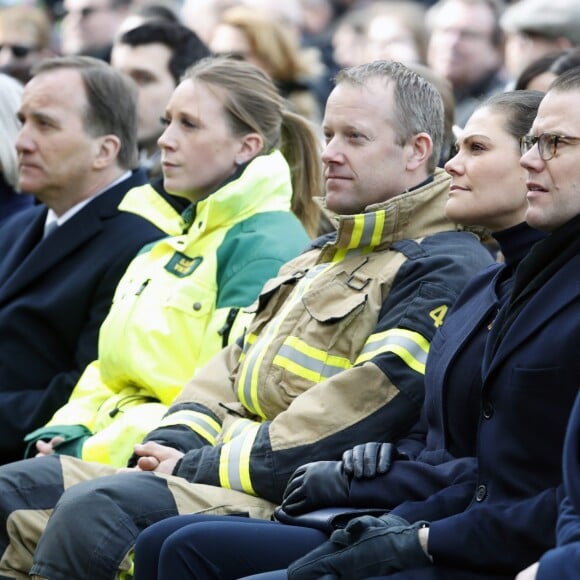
point(18, 50)
point(548, 143)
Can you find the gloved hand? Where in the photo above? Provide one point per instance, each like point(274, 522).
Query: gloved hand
point(368, 460)
point(367, 546)
point(316, 485)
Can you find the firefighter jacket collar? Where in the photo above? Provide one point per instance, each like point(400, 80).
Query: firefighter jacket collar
point(413, 214)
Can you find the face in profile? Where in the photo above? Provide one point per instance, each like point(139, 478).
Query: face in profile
point(554, 184)
point(55, 152)
point(460, 46)
point(199, 149)
point(488, 185)
point(148, 67)
point(364, 160)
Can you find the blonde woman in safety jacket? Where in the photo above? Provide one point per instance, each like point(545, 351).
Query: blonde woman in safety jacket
point(175, 306)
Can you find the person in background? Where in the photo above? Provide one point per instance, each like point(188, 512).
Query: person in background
point(155, 55)
point(244, 33)
point(151, 11)
point(348, 39)
point(534, 28)
point(334, 354)
point(396, 31)
point(61, 260)
point(537, 76)
point(223, 149)
point(487, 190)
point(554, 65)
point(89, 27)
point(466, 47)
point(11, 200)
point(25, 39)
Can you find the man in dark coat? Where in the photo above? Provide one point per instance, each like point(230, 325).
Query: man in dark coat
point(61, 259)
point(530, 375)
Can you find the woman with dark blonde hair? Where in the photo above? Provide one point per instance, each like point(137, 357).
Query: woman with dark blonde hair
point(226, 135)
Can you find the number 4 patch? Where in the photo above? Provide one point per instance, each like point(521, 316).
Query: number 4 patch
point(438, 314)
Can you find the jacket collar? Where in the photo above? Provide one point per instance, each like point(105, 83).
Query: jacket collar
point(263, 185)
point(410, 215)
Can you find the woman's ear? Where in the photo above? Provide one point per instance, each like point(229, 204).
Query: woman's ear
point(251, 145)
point(420, 148)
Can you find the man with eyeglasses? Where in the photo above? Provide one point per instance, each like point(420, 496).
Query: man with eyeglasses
point(90, 26)
point(531, 376)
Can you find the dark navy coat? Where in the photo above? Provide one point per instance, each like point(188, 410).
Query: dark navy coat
point(54, 294)
point(529, 387)
point(450, 417)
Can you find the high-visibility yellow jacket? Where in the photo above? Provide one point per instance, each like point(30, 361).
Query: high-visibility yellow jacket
point(173, 308)
point(335, 354)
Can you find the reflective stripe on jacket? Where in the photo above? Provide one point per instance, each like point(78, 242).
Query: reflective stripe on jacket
point(336, 352)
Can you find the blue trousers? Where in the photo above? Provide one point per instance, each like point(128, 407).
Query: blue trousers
point(218, 547)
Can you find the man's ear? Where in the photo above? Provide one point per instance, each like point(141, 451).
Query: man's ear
point(250, 146)
point(420, 148)
point(108, 147)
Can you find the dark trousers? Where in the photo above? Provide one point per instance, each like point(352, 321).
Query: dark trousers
point(218, 547)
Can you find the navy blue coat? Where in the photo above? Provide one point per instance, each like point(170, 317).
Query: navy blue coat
point(444, 442)
point(563, 562)
point(54, 294)
point(10, 201)
point(529, 386)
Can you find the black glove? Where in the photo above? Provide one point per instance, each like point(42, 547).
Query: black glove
point(368, 460)
point(316, 485)
point(367, 546)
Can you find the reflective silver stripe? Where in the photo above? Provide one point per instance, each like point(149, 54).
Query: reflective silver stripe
point(237, 428)
point(368, 230)
point(410, 346)
point(319, 368)
point(250, 366)
point(235, 462)
point(202, 424)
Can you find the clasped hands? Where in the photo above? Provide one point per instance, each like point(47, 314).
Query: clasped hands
point(154, 457)
point(367, 546)
point(327, 483)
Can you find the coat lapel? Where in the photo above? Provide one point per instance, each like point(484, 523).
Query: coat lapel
point(32, 259)
point(539, 310)
point(47, 254)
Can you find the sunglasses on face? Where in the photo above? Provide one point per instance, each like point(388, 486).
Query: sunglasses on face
point(18, 50)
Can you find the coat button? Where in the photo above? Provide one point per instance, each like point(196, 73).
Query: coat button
point(480, 492)
point(197, 306)
point(488, 410)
